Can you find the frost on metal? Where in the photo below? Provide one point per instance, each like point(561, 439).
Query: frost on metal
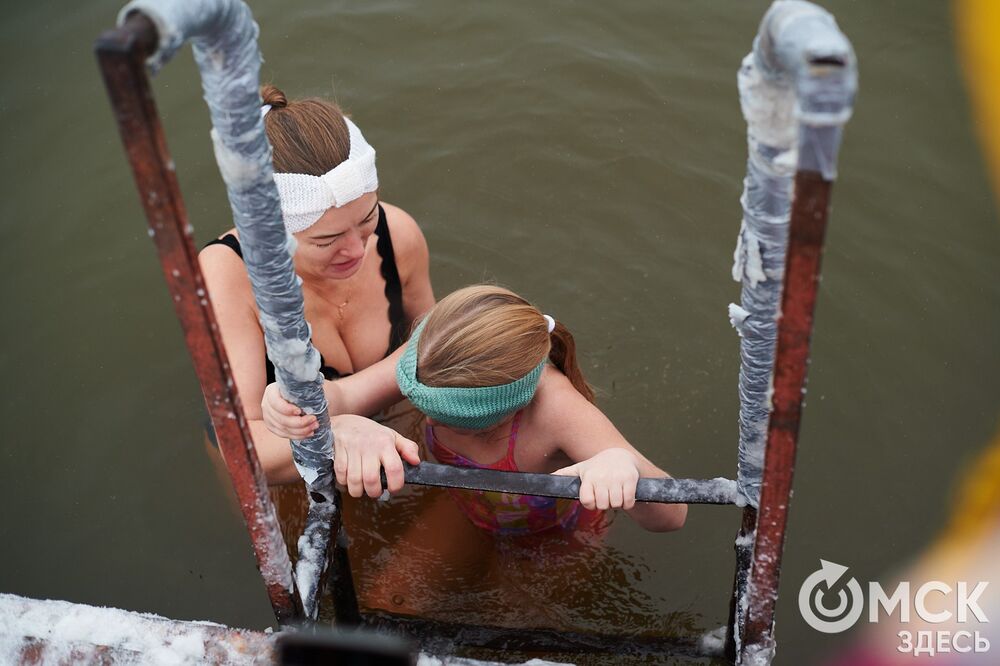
point(758, 655)
point(59, 632)
point(276, 566)
point(796, 90)
point(313, 546)
point(224, 37)
point(714, 491)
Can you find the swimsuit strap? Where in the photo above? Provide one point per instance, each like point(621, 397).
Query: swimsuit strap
point(449, 457)
point(229, 241)
point(398, 332)
point(512, 440)
point(505, 513)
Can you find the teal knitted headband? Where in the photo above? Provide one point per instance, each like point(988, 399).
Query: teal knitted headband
point(472, 408)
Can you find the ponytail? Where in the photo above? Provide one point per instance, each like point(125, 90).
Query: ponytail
point(484, 335)
point(563, 356)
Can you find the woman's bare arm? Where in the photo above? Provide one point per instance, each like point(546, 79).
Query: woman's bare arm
point(232, 301)
point(366, 392)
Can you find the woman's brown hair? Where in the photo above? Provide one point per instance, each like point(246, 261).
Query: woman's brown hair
point(487, 336)
point(309, 136)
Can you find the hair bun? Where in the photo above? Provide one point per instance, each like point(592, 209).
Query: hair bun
point(272, 95)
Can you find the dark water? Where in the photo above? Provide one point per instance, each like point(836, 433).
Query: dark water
point(589, 156)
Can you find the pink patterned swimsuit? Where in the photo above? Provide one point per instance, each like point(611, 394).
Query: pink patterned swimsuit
point(503, 513)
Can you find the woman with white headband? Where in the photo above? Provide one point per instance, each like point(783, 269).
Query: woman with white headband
point(363, 263)
point(364, 270)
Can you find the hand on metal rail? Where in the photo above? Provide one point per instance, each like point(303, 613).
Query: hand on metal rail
point(363, 448)
point(283, 418)
point(607, 480)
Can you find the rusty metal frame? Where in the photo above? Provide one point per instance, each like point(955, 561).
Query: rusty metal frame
point(810, 209)
point(121, 54)
point(761, 538)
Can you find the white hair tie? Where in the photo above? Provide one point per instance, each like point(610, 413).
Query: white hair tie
point(551, 322)
point(305, 198)
point(264, 109)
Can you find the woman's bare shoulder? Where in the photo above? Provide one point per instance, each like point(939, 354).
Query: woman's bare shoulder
point(225, 273)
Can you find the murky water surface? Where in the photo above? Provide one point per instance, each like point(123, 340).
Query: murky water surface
point(588, 155)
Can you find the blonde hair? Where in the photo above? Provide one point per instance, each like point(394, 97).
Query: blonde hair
point(485, 335)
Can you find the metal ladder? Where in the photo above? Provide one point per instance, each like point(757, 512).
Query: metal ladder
point(816, 63)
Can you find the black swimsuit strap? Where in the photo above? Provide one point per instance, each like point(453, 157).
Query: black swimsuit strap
point(229, 241)
point(393, 293)
point(398, 332)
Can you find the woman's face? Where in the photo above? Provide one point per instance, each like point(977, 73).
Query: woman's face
point(334, 247)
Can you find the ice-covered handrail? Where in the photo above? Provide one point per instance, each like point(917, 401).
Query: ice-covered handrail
point(797, 90)
point(224, 38)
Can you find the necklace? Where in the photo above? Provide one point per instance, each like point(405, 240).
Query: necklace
point(347, 301)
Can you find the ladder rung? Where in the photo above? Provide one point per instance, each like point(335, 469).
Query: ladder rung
point(438, 637)
point(663, 491)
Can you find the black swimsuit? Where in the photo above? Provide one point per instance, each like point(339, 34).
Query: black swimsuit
point(393, 293)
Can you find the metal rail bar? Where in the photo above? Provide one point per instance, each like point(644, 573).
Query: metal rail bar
point(323, 556)
point(663, 491)
point(341, 582)
point(121, 54)
point(737, 602)
point(805, 246)
point(441, 637)
point(223, 35)
point(797, 92)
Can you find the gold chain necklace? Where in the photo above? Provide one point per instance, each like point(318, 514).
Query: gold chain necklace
point(347, 301)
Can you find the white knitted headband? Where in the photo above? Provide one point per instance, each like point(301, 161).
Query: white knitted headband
point(305, 198)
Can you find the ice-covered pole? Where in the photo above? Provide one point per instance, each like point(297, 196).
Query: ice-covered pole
point(224, 38)
point(797, 90)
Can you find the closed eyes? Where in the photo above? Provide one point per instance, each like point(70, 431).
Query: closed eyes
point(333, 239)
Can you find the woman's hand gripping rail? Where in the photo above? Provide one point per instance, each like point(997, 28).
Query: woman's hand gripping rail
point(362, 447)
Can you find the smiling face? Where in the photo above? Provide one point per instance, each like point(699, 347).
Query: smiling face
point(334, 247)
